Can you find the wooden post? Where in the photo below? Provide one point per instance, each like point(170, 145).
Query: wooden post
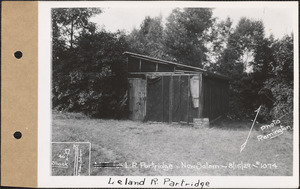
point(140, 65)
point(145, 97)
point(210, 101)
point(128, 86)
point(188, 99)
point(171, 92)
point(162, 97)
point(200, 97)
point(179, 108)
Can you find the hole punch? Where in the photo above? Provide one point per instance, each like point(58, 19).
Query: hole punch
point(18, 54)
point(17, 135)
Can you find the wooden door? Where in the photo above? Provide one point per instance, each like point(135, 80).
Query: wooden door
point(137, 99)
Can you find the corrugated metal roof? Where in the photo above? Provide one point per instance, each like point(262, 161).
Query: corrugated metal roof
point(217, 75)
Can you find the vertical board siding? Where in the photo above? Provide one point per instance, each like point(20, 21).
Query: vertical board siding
point(137, 96)
point(162, 97)
point(200, 98)
point(176, 99)
point(154, 101)
point(184, 97)
point(188, 100)
point(131, 98)
point(215, 99)
point(169, 99)
point(166, 82)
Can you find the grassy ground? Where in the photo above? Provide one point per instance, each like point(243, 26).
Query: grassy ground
point(181, 146)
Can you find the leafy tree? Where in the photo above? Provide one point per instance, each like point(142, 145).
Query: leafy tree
point(244, 41)
point(148, 39)
point(261, 70)
point(95, 80)
point(88, 66)
point(89, 71)
point(246, 60)
point(69, 23)
point(185, 35)
point(279, 86)
point(219, 35)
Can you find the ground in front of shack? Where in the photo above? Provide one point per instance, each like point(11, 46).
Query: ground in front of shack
point(161, 149)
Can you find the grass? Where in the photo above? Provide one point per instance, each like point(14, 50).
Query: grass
point(174, 144)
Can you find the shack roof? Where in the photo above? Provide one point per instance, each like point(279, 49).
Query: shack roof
point(178, 66)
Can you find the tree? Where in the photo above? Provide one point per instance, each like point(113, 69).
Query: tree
point(279, 85)
point(185, 35)
point(148, 39)
point(219, 35)
point(246, 59)
point(88, 68)
point(68, 23)
point(246, 38)
point(95, 80)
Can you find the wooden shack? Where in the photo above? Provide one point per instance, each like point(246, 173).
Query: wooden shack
point(165, 91)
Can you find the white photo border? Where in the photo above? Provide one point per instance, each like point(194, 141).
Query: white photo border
point(44, 102)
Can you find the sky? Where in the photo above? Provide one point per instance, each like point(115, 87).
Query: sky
point(277, 21)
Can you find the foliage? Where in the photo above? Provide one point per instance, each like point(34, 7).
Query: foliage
point(185, 35)
point(280, 84)
point(219, 35)
point(148, 39)
point(93, 80)
point(90, 76)
point(182, 40)
point(258, 67)
point(69, 23)
point(242, 47)
point(89, 73)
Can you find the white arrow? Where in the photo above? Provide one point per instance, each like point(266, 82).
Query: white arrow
point(244, 145)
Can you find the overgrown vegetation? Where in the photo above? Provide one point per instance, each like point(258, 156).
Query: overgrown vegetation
point(89, 73)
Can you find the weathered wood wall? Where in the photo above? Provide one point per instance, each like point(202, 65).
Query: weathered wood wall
point(165, 88)
point(169, 98)
point(215, 97)
point(137, 98)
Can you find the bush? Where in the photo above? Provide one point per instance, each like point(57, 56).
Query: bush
point(92, 78)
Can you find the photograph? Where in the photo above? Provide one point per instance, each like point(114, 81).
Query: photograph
point(150, 94)
point(172, 91)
